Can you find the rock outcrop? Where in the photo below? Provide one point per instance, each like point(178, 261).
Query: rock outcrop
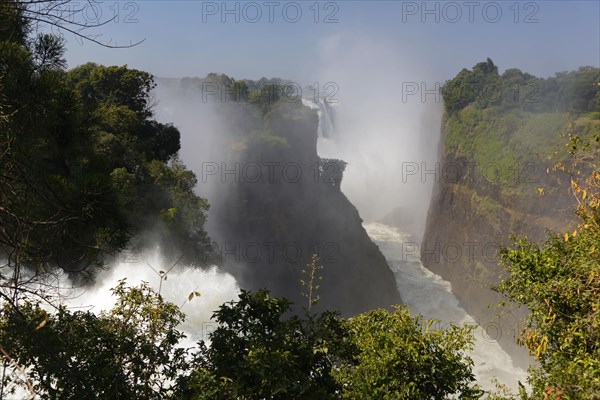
point(286, 206)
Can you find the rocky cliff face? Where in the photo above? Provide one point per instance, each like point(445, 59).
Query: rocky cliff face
point(481, 201)
point(499, 176)
point(287, 206)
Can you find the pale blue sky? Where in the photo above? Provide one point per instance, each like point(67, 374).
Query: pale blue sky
point(188, 38)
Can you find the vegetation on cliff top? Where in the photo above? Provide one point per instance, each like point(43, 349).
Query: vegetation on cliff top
point(512, 128)
point(483, 87)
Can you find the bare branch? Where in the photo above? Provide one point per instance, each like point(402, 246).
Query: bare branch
point(57, 14)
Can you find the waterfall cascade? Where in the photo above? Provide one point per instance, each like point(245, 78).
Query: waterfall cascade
point(326, 111)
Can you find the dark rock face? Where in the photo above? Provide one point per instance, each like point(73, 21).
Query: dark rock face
point(288, 205)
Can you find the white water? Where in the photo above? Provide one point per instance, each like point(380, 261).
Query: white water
point(326, 112)
point(423, 291)
point(214, 286)
point(431, 296)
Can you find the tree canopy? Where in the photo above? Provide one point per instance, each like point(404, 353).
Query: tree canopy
point(483, 86)
point(85, 167)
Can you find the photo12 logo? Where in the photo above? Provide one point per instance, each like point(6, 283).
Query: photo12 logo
point(524, 93)
point(88, 14)
point(289, 91)
point(471, 172)
point(326, 171)
point(453, 12)
point(450, 252)
point(86, 20)
point(253, 12)
point(274, 252)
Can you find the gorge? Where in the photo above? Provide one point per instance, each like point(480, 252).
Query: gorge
point(484, 188)
point(334, 201)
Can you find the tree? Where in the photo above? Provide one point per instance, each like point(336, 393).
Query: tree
point(471, 86)
point(128, 352)
point(115, 86)
point(49, 52)
point(397, 359)
point(14, 27)
point(559, 283)
point(255, 353)
point(57, 207)
point(17, 17)
point(84, 166)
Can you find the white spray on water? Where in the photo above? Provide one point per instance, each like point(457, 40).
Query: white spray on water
point(431, 296)
point(175, 285)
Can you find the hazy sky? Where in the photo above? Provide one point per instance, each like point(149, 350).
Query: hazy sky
point(291, 39)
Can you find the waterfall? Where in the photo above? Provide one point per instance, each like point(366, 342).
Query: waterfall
point(326, 112)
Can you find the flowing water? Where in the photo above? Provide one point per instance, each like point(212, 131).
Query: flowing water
point(214, 286)
point(326, 113)
point(431, 296)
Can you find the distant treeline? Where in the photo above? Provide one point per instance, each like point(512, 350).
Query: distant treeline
point(576, 91)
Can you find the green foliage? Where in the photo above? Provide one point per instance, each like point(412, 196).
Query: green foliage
point(13, 27)
point(258, 351)
point(172, 192)
point(483, 87)
point(85, 167)
point(397, 359)
point(255, 353)
point(127, 353)
point(560, 285)
point(470, 86)
point(49, 52)
point(57, 206)
point(151, 182)
point(511, 153)
point(118, 86)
